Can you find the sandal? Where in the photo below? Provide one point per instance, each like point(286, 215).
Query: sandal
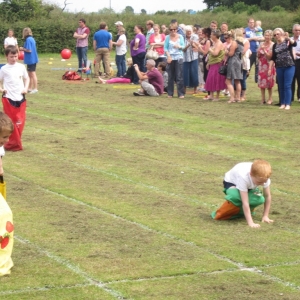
point(215, 99)
point(231, 101)
point(270, 102)
point(207, 98)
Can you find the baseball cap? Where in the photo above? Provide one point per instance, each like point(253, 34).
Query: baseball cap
point(119, 23)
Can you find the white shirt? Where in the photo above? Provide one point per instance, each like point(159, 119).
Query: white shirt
point(297, 48)
point(239, 175)
point(121, 50)
point(2, 151)
point(10, 41)
point(12, 77)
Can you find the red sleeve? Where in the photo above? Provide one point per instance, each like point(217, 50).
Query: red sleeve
point(87, 30)
point(151, 38)
point(163, 37)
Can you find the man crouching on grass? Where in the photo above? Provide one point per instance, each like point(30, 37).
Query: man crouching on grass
point(152, 82)
point(242, 195)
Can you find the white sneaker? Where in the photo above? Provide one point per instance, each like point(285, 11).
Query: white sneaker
point(33, 91)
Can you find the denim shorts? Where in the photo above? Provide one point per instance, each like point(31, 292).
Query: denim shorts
point(31, 68)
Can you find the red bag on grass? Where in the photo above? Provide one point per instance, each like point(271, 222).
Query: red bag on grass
point(18, 116)
point(71, 75)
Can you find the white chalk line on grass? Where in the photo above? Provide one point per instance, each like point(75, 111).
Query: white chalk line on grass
point(231, 137)
point(226, 137)
point(197, 148)
point(122, 178)
point(240, 266)
point(75, 269)
point(43, 289)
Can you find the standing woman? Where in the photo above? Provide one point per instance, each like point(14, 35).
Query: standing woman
point(174, 44)
point(190, 60)
point(234, 67)
point(282, 57)
point(239, 36)
point(157, 41)
point(10, 40)
point(203, 48)
point(266, 80)
point(121, 50)
point(138, 50)
point(215, 82)
point(200, 64)
point(30, 58)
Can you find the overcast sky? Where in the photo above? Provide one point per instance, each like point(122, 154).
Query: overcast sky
point(119, 5)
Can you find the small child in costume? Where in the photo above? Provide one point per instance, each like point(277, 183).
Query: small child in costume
point(6, 217)
point(242, 195)
point(161, 67)
point(127, 78)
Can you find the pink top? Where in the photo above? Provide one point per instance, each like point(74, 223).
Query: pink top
point(161, 38)
point(83, 42)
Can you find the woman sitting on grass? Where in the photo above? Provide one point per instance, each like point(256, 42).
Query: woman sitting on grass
point(127, 78)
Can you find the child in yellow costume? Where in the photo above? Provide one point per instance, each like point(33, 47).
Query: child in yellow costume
point(6, 220)
point(242, 194)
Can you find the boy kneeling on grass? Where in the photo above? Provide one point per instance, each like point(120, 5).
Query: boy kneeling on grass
point(242, 194)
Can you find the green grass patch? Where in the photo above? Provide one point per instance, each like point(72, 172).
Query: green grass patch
point(112, 195)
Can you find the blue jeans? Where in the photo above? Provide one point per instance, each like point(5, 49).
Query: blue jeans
point(82, 56)
point(121, 65)
point(243, 81)
point(285, 78)
point(175, 73)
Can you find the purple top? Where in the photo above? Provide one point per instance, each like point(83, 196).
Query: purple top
point(141, 47)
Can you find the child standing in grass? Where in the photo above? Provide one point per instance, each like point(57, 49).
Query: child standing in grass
point(6, 221)
point(242, 195)
point(15, 82)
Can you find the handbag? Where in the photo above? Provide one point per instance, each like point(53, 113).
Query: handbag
point(152, 54)
point(223, 70)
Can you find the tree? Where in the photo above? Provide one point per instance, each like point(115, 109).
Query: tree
point(143, 11)
point(106, 11)
point(14, 10)
point(129, 10)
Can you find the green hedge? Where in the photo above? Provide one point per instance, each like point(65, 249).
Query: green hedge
point(56, 32)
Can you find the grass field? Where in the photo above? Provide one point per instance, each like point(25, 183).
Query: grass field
point(112, 196)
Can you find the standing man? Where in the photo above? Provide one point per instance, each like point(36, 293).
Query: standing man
point(152, 82)
point(224, 28)
point(250, 34)
point(179, 29)
point(213, 25)
point(82, 37)
point(296, 38)
point(102, 44)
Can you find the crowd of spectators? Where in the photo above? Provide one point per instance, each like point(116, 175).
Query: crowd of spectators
point(191, 57)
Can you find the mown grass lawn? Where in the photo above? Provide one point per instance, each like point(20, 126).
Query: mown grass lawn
point(112, 195)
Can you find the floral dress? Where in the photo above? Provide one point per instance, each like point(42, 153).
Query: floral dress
point(265, 81)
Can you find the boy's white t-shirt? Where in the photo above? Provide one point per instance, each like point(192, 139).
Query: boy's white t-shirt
point(2, 151)
point(121, 50)
point(239, 175)
point(12, 77)
point(10, 41)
